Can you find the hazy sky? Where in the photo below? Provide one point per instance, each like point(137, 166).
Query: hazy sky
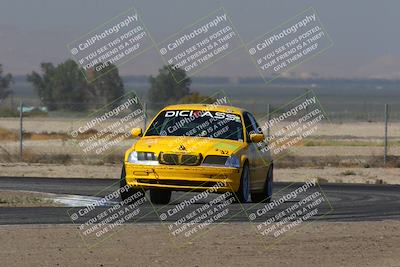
point(365, 33)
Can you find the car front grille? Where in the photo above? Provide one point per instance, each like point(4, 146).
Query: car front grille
point(180, 159)
point(170, 159)
point(190, 159)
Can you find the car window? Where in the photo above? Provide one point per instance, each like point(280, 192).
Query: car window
point(249, 125)
point(200, 123)
point(256, 127)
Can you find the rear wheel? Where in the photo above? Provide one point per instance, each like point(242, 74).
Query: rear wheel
point(266, 195)
point(243, 193)
point(128, 193)
point(160, 196)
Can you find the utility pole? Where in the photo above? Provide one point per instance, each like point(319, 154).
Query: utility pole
point(21, 131)
point(145, 115)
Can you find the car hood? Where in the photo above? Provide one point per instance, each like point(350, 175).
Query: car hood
point(187, 144)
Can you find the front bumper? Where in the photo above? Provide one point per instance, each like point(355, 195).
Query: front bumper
point(186, 178)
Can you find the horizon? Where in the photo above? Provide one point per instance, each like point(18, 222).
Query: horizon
point(363, 47)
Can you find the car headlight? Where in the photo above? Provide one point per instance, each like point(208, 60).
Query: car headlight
point(145, 158)
point(233, 161)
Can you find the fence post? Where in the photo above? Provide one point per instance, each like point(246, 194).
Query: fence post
point(12, 100)
point(21, 131)
point(386, 123)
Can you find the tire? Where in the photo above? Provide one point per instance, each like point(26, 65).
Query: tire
point(266, 195)
point(127, 195)
point(243, 193)
point(160, 196)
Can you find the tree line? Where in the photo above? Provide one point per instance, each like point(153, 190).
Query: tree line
point(64, 86)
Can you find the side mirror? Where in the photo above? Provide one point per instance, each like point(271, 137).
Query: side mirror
point(136, 132)
point(255, 138)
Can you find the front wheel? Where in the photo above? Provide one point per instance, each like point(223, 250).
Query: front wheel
point(243, 193)
point(266, 195)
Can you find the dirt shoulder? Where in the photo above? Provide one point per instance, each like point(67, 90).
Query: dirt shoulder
point(326, 174)
point(316, 244)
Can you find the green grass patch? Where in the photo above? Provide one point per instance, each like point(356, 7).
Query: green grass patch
point(24, 200)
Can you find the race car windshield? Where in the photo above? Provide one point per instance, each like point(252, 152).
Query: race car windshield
point(199, 123)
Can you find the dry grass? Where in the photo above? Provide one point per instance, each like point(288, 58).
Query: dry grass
point(349, 143)
point(8, 135)
point(348, 172)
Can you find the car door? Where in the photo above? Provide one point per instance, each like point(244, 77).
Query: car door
point(266, 156)
point(257, 168)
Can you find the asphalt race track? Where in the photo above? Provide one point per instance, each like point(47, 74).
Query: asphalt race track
point(343, 202)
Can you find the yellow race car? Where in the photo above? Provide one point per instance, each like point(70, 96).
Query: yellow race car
point(196, 147)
